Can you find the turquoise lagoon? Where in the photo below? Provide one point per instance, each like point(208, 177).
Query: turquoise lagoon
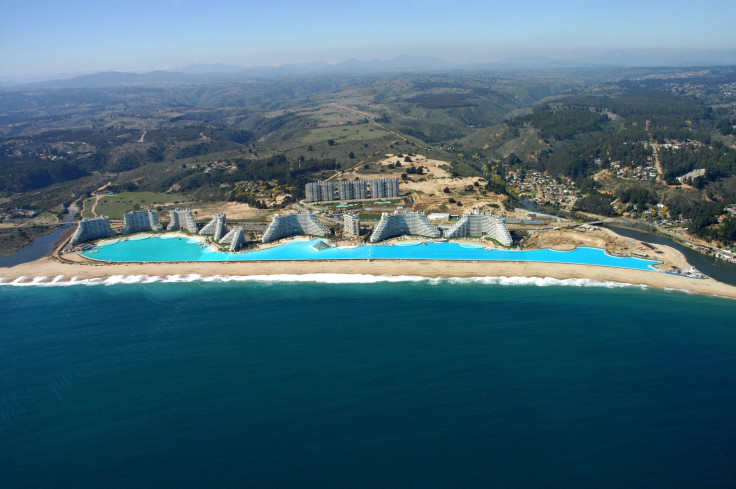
point(177, 249)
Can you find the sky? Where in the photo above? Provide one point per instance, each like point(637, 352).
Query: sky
point(41, 37)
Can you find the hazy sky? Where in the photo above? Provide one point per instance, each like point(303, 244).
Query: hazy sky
point(68, 36)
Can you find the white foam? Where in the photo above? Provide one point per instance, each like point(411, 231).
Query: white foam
point(686, 291)
point(325, 278)
point(544, 282)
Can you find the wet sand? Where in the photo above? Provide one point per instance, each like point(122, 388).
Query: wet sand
point(51, 268)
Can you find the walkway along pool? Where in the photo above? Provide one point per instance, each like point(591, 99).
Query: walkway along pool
point(173, 249)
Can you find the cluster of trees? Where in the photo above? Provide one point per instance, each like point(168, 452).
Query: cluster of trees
point(718, 160)
point(275, 168)
point(33, 172)
point(497, 186)
point(690, 205)
point(205, 147)
point(562, 123)
point(576, 163)
point(637, 105)
point(724, 232)
point(637, 195)
point(36, 162)
point(595, 203)
point(703, 215)
point(725, 126)
point(247, 198)
point(443, 100)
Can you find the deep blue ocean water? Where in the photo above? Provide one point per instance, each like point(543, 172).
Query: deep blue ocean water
point(412, 384)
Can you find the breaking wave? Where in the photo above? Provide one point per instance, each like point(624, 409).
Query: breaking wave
point(325, 278)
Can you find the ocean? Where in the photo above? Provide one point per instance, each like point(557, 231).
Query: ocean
point(366, 382)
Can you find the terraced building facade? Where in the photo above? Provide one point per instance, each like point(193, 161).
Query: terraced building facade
point(399, 224)
point(284, 225)
point(480, 224)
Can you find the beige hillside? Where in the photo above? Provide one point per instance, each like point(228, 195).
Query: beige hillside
point(428, 189)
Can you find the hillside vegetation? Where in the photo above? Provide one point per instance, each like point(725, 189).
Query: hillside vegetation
point(622, 138)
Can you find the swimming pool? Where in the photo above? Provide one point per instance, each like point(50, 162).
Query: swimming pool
point(161, 249)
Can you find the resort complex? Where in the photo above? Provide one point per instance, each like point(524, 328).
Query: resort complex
point(217, 227)
point(284, 225)
point(182, 219)
point(475, 224)
point(139, 221)
point(352, 189)
point(398, 224)
point(480, 224)
point(89, 229)
point(235, 238)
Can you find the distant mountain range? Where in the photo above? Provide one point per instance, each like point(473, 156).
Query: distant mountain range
point(224, 72)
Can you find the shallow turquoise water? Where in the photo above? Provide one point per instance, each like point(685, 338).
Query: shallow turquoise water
point(162, 249)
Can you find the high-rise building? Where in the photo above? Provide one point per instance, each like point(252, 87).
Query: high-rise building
point(398, 224)
point(182, 219)
point(481, 224)
point(384, 188)
point(284, 225)
point(89, 229)
point(217, 227)
point(351, 224)
point(320, 191)
point(235, 238)
point(139, 221)
point(352, 189)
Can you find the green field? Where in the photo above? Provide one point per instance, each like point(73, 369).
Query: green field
point(114, 206)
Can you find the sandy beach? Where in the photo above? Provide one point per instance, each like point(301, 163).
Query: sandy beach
point(72, 265)
point(51, 268)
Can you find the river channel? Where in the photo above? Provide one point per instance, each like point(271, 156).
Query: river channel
point(41, 247)
point(720, 270)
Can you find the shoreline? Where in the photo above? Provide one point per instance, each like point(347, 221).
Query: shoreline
point(53, 270)
point(58, 268)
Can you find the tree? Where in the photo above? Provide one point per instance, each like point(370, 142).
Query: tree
point(351, 155)
point(331, 142)
point(155, 154)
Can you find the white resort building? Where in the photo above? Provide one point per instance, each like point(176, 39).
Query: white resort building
point(89, 229)
point(384, 188)
point(139, 221)
point(217, 227)
point(320, 191)
point(182, 219)
point(284, 225)
point(481, 224)
point(397, 224)
point(352, 189)
point(235, 238)
point(351, 224)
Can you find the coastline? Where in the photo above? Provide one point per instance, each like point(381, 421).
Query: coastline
point(53, 269)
